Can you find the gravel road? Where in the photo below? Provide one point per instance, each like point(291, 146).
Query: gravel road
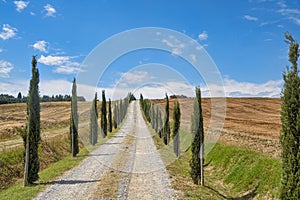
point(143, 174)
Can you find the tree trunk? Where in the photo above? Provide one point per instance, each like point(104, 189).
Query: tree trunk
point(26, 171)
point(201, 163)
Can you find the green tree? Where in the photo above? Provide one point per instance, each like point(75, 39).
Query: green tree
point(74, 121)
point(290, 120)
point(32, 136)
point(197, 161)
point(103, 116)
point(94, 122)
point(176, 127)
point(166, 128)
point(110, 123)
point(156, 119)
point(159, 124)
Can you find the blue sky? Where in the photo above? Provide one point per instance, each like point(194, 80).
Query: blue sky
point(245, 39)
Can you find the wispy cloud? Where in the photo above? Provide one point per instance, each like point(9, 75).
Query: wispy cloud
point(62, 64)
point(250, 18)
point(131, 78)
point(40, 45)
point(7, 32)
point(296, 20)
point(292, 14)
point(1, 50)
point(288, 11)
point(176, 45)
point(20, 5)
point(5, 68)
point(203, 36)
point(50, 10)
point(270, 88)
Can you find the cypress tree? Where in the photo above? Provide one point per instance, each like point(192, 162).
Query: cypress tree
point(176, 126)
point(156, 119)
point(74, 121)
point(290, 120)
point(110, 124)
point(166, 129)
point(103, 116)
point(197, 161)
point(159, 125)
point(116, 115)
point(94, 122)
point(32, 136)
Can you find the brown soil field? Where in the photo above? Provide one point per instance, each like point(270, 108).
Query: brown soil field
point(253, 123)
point(53, 115)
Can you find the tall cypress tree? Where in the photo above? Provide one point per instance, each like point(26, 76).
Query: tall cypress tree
point(176, 126)
point(74, 121)
point(115, 121)
point(110, 123)
point(103, 116)
point(290, 120)
point(166, 129)
point(156, 119)
point(32, 137)
point(94, 122)
point(160, 124)
point(197, 161)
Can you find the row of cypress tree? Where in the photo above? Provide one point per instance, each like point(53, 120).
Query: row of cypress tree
point(160, 122)
point(107, 120)
point(31, 134)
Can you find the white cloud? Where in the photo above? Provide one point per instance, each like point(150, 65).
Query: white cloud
point(32, 13)
point(1, 50)
point(63, 64)
point(288, 11)
point(270, 88)
point(54, 60)
point(176, 45)
point(203, 36)
point(296, 20)
point(193, 57)
point(50, 10)
point(250, 18)
point(20, 5)
point(132, 78)
point(70, 68)
point(5, 68)
point(40, 45)
point(7, 32)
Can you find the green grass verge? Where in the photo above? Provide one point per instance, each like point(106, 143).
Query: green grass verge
point(55, 158)
point(231, 173)
point(18, 191)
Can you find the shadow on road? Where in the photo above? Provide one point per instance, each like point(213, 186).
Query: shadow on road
point(102, 154)
point(67, 182)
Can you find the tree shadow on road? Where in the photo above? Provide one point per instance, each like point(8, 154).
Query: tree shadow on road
point(67, 182)
point(249, 195)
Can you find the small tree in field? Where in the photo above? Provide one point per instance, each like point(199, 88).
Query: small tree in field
point(103, 116)
point(290, 131)
point(110, 123)
point(74, 121)
point(166, 128)
point(94, 122)
point(197, 161)
point(32, 134)
point(176, 126)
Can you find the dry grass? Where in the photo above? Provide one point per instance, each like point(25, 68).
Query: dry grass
point(253, 123)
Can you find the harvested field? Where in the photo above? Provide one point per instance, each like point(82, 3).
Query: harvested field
point(250, 122)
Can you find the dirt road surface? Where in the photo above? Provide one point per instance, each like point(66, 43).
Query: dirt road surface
point(130, 153)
